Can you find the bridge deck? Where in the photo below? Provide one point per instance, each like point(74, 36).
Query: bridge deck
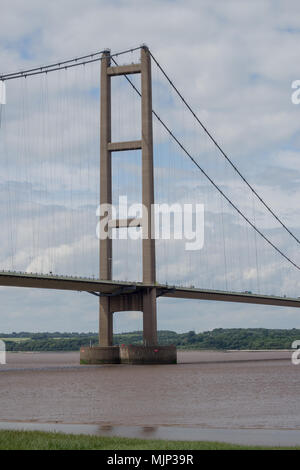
point(111, 288)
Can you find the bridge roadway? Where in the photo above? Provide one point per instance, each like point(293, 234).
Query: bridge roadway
point(113, 288)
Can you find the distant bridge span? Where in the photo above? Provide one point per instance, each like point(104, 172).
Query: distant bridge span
point(115, 288)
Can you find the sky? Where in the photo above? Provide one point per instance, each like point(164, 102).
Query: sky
point(235, 62)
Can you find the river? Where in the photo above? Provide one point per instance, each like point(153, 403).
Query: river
point(242, 397)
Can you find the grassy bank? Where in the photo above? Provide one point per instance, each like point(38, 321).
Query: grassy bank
point(36, 440)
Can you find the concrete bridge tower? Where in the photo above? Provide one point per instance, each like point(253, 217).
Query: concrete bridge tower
point(143, 299)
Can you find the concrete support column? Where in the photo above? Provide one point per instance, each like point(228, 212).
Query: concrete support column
point(105, 323)
point(149, 318)
point(105, 316)
point(149, 277)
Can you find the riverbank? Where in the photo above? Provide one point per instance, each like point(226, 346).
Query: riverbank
point(218, 339)
point(36, 440)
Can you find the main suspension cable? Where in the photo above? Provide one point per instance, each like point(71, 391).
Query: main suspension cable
point(223, 152)
point(63, 65)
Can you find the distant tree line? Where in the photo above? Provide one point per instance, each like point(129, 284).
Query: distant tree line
point(218, 339)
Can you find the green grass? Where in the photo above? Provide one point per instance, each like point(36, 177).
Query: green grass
point(15, 340)
point(36, 440)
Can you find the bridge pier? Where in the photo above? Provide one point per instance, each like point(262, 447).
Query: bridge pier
point(105, 323)
point(149, 318)
point(148, 353)
point(144, 300)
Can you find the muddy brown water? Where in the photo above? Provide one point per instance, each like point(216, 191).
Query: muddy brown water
point(248, 397)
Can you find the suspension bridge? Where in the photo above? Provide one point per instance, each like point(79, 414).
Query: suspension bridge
point(153, 147)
